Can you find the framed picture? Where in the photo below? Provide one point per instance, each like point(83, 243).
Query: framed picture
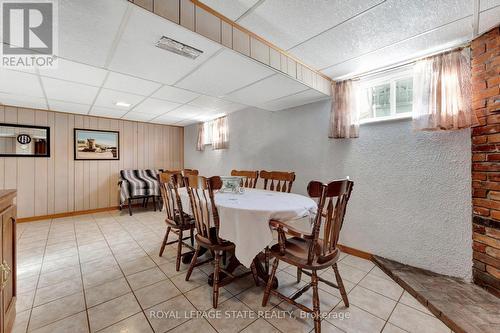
point(96, 145)
point(24, 140)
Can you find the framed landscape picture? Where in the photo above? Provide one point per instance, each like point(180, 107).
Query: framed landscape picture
point(97, 145)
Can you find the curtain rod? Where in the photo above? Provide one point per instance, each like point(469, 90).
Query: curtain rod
point(405, 63)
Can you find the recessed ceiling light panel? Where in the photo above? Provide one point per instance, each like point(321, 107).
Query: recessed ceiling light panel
point(123, 104)
point(174, 46)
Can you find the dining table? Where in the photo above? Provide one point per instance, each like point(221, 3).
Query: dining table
point(244, 217)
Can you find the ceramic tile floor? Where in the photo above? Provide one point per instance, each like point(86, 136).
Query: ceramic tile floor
point(102, 273)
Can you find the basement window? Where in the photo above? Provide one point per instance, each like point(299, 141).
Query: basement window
point(208, 132)
point(389, 96)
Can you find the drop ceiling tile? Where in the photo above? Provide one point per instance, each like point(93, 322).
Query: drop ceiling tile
point(138, 116)
point(76, 72)
point(69, 91)
point(69, 107)
point(210, 102)
point(233, 107)
point(266, 90)
point(88, 28)
point(286, 23)
point(130, 84)
point(155, 106)
point(224, 73)
point(186, 111)
point(489, 18)
point(391, 22)
point(108, 98)
point(488, 4)
point(174, 94)
point(107, 112)
point(231, 9)
point(445, 37)
point(136, 53)
point(187, 122)
point(20, 83)
point(208, 115)
point(23, 101)
point(166, 119)
point(302, 98)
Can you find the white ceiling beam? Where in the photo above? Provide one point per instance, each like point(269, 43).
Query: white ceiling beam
point(475, 18)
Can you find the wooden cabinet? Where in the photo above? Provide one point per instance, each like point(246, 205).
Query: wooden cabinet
point(8, 260)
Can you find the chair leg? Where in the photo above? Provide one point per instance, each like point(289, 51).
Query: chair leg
point(193, 263)
point(224, 257)
point(270, 282)
point(266, 259)
point(341, 285)
point(165, 240)
point(154, 203)
point(299, 274)
point(316, 311)
point(192, 236)
point(215, 298)
point(254, 274)
point(179, 251)
point(130, 207)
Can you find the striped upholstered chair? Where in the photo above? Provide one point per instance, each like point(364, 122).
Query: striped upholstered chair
point(139, 184)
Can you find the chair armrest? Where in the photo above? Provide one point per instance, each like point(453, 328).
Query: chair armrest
point(290, 230)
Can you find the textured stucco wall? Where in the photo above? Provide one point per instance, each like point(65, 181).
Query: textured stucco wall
point(411, 197)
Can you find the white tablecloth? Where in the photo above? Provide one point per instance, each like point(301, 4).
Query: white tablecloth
point(244, 218)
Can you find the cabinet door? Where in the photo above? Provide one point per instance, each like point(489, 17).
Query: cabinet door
point(9, 262)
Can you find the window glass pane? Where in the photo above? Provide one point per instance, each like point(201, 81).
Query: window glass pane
point(404, 95)
point(381, 97)
point(208, 132)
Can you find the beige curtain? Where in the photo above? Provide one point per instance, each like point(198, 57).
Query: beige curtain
point(220, 133)
point(200, 144)
point(442, 92)
point(344, 116)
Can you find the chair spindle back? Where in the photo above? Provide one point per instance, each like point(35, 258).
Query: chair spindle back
point(278, 181)
point(249, 177)
point(170, 182)
point(332, 203)
point(201, 195)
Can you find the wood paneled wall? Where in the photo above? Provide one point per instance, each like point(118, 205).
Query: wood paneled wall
point(60, 184)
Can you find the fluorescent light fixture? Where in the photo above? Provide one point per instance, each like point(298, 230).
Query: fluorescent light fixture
point(177, 47)
point(123, 104)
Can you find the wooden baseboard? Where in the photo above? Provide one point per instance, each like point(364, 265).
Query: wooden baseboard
point(59, 215)
point(355, 252)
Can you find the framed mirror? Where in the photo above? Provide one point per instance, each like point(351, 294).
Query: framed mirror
point(24, 140)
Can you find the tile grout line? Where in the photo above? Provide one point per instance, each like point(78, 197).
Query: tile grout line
point(124, 276)
point(394, 308)
point(81, 276)
point(141, 239)
point(39, 275)
point(56, 299)
point(181, 292)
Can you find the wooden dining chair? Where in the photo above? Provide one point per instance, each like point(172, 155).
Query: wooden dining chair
point(310, 253)
point(177, 220)
point(278, 181)
point(189, 172)
point(201, 194)
point(249, 177)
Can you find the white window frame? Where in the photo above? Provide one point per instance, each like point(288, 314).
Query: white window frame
point(385, 78)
